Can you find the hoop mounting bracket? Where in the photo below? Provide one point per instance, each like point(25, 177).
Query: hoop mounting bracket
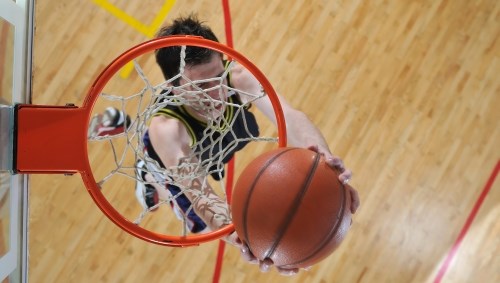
point(50, 139)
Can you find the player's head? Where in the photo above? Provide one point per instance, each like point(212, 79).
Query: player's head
point(168, 58)
point(201, 64)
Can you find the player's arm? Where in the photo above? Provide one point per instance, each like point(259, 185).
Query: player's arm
point(301, 132)
point(172, 144)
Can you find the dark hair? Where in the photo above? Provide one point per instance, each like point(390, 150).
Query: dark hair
point(168, 58)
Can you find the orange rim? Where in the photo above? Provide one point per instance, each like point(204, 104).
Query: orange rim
point(93, 95)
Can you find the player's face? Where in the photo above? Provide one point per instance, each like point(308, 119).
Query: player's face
point(208, 87)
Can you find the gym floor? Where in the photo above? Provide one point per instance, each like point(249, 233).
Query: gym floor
point(406, 92)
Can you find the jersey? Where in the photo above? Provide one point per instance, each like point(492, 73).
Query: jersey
point(243, 126)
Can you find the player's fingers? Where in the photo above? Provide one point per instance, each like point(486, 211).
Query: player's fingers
point(287, 272)
point(265, 265)
point(248, 255)
point(313, 148)
point(233, 239)
point(345, 176)
point(336, 163)
point(355, 202)
point(333, 161)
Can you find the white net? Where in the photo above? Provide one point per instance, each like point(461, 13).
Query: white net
point(131, 173)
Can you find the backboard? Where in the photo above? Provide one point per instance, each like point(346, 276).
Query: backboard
point(16, 30)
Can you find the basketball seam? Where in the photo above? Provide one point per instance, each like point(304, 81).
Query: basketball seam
point(294, 208)
point(250, 192)
point(333, 231)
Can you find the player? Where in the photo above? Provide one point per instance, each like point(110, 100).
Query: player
point(172, 131)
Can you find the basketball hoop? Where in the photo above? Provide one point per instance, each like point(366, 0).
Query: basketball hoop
point(54, 139)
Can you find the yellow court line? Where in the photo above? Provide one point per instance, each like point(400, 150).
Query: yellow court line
point(147, 30)
point(162, 14)
point(120, 14)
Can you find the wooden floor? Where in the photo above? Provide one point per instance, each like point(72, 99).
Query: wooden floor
point(407, 92)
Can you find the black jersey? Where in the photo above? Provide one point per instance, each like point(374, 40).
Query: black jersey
point(235, 131)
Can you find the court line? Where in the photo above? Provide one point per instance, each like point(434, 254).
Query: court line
point(451, 254)
point(148, 30)
point(227, 23)
point(230, 170)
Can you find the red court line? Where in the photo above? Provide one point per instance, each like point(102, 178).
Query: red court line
point(468, 222)
point(227, 23)
point(230, 169)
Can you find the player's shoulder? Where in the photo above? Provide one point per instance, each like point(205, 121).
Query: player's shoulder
point(168, 128)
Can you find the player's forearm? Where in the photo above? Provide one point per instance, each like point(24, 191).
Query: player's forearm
point(301, 132)
point(208, 205)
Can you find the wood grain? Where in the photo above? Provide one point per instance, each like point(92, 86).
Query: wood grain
point(406, 92)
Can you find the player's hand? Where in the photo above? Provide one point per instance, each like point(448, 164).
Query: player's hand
point(345, 174)
point(264, 265)
point(243, 80)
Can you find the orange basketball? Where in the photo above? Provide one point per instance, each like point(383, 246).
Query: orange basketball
point(289, 206)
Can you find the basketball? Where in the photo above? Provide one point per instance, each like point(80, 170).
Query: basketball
point(289, 206)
